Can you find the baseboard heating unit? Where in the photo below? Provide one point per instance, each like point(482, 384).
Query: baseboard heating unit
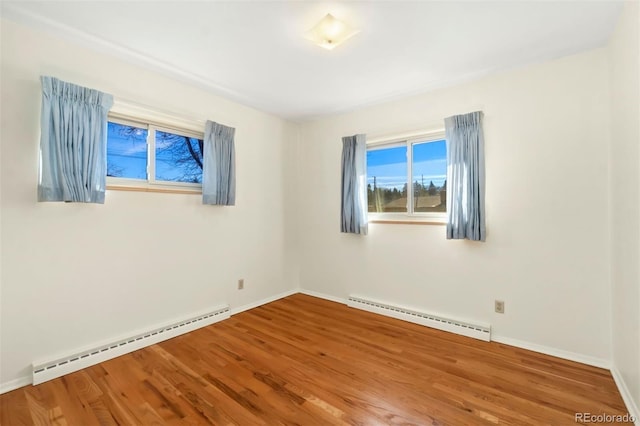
point(464, 328)
point(48, 370)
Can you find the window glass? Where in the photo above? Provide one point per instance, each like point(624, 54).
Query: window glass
point(178, 158)
point(429, 170)
point(126, 151)
point(387, 179)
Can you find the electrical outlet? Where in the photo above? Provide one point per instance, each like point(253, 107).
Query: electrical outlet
point(240, 283)
point(500, 306)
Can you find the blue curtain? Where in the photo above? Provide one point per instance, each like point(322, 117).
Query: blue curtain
point(73, 143)
point(354, 185)
point(465, 177)
point(218, 168)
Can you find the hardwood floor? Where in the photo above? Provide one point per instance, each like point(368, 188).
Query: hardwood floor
point(307, 361)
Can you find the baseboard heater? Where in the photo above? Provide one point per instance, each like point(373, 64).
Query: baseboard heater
point(464, 328)
point(48, 370)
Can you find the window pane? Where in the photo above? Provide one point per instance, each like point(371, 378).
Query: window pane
point(387, 179)
point(430, 176)
point(126, 151)
point(178, 158)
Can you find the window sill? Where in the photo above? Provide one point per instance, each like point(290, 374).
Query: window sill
point(408, 222)
point(403, 219)
point(150, 189)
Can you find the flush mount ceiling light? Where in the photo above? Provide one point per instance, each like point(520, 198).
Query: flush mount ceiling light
point(330, 32)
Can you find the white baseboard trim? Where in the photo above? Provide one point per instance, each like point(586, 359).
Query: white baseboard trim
point(632, 407)
point(264, 301)
point(323, 296)
point(15, 384)
point(559, 353)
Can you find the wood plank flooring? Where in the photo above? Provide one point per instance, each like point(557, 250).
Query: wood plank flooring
point(307, 361)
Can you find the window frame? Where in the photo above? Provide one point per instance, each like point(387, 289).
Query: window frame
point(151, 184)
point(409, 216)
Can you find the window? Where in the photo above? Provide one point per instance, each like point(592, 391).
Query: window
point(407, 179)
point(142, 154)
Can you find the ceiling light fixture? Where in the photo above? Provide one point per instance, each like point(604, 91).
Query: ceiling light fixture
point(330, 32)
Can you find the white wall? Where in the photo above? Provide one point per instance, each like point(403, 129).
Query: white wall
point(625, 197)
point(75, 274)
point(546, 255)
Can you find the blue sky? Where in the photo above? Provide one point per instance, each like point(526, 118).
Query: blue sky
point(127, 153)
point(389, 166)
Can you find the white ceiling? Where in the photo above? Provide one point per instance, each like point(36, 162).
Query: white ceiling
point(255, 52)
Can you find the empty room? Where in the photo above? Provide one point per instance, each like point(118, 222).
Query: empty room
point(320, 213)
